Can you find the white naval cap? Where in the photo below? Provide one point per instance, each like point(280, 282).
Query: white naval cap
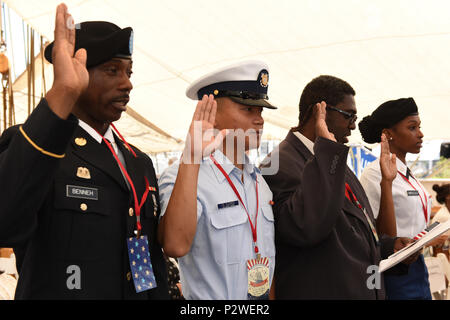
point(244, 82)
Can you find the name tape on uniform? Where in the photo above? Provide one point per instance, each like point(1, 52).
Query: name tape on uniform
point(81, 192)
point(228, 204)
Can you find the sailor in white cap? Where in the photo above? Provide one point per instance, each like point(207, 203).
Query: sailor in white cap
point(215, 205)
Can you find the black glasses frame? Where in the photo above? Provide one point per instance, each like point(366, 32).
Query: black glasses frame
point(347, 115)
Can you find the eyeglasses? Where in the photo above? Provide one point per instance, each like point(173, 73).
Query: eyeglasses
point(347, 115)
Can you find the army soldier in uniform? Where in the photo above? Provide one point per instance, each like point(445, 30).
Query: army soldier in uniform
point(77, 203)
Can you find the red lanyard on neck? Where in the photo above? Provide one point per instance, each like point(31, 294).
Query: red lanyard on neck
point(253, 227)
point(123, 139)
point(424, 204)
point(137, 205)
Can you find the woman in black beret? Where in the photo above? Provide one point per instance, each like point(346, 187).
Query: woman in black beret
point(402, 208)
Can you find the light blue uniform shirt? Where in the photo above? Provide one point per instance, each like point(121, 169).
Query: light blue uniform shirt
point(216, 265)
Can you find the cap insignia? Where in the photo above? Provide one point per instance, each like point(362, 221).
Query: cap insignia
point(264, 80)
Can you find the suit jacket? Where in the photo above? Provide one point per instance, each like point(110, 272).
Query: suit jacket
point(52, 229)
point(324, 243)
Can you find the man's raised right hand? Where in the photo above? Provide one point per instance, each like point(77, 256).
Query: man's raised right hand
point(320, 113)
point(71, 77)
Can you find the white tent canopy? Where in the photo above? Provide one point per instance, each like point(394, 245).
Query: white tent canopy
point(385, 50)
point(139, 131)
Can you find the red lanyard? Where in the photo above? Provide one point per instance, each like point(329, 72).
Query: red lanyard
point(424, 204)
point(348, 192)
point(253, 227)
point(137, 205)
point(123, 139)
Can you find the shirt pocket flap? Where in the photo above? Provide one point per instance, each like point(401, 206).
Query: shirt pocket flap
point(268, 213)
point(227, 218)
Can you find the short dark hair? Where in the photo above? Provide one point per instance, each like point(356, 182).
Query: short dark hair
point(326, 88)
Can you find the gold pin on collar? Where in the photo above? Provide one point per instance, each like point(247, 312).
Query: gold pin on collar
point(80, 142)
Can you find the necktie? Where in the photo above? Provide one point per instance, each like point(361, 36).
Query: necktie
point(119, 155)
point(408, 173)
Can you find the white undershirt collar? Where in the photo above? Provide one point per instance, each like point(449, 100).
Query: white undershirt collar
point(308, 143)
point(94, 134)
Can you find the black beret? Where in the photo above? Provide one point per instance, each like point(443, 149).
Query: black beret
point(102, 41)
point(385, 116)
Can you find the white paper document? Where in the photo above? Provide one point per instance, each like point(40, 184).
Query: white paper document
point(417, 245)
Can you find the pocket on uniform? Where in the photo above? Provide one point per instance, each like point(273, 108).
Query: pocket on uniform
point(81, 198)
point(82, 211)
point(228, 231)
point(268, 220)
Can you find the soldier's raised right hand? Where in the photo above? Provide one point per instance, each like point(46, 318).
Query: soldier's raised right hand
point(71, 77)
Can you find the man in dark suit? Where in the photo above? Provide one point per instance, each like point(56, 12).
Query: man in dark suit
point(325, 243)
point(72, 202)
